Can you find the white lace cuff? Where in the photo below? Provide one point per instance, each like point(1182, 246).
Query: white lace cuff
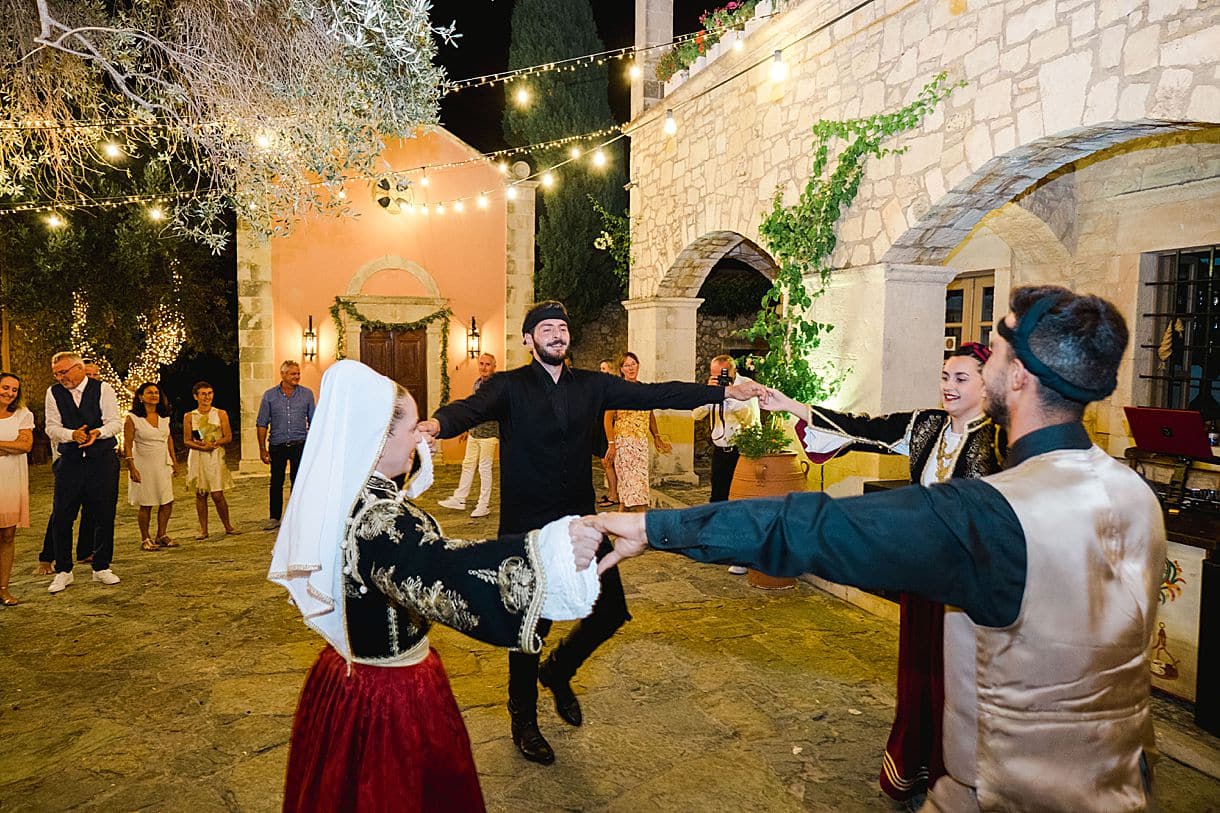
point(819, 442)
point(569, 595)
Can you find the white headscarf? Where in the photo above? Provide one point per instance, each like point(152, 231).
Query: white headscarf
point(343, 445)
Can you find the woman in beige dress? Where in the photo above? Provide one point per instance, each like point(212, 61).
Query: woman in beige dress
point(206, 431)
point(148, 449)
point(627, 434)
point(16, 439)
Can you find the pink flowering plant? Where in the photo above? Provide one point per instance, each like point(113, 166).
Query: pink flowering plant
point(732, 16)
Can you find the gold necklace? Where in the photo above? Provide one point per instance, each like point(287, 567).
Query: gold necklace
point(945, 460)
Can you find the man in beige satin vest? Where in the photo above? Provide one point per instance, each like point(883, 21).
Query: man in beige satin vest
point(1055, 564)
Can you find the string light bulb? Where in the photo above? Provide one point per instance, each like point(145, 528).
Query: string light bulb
point(424, 181)
point(599, 158)
point(635, 71)
point(739, 43)
point(503, 167)
point(342, 194)
point(779, 68)
point(54, 221)
point(574, 152)
point(671, 124)
point(482, 201)
point(548, 179)
point(112, 150)
point(440, 208)
point(155, 214)
point(459, 207)
point(262, 141)
point(522, 96)
point(511, 193)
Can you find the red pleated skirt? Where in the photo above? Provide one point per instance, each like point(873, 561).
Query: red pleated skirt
point(914, 759)
point(383, 738)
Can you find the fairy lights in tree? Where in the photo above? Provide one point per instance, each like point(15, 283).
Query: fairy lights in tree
point(164, 333)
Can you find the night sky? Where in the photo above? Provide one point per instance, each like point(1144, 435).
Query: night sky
point(474, 115)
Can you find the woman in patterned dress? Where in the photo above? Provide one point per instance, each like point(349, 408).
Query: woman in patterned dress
point(627, 434)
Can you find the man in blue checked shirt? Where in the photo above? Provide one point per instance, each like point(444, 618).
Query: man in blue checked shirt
point(283, 420)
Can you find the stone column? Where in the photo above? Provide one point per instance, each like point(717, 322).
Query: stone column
point(889, 338)
point(661, 331)
point(654, 24)
point(257, 368)
point(519, 276)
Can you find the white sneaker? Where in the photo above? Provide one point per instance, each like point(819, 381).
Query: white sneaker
point(454, 503)
point(480, 511)
point(737, 570)
point(105, 576)
point(61, 581)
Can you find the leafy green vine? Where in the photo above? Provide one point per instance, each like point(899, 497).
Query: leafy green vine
point(342, 308)
point(616, 239)
point(802, 237)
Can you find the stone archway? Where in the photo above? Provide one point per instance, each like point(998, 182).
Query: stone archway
point(662, 330)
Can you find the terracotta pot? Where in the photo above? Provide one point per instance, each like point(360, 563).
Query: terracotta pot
point(772, 475)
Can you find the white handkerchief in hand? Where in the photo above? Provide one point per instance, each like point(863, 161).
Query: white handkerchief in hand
point(569, 595)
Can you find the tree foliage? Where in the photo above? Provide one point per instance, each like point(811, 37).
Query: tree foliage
point(562, 103)
point(262, 105)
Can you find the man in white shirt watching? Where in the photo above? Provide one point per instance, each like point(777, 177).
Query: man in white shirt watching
point(83, 422)
point(725, 421)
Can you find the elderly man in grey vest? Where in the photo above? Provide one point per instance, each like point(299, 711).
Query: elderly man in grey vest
point(83, 422)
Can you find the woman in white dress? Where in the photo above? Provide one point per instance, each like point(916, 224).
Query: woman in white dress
point(16, 439)
point(206, 431)
point(148, 449)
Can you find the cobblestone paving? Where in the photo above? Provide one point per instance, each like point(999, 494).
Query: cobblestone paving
point(175, 689)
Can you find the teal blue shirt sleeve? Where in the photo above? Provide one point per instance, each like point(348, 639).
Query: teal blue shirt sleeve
point(957, 543)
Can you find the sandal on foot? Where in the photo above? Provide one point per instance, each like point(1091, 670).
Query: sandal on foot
point(606, 502)
point(45, 569)
point(232, 532)
point(201, 535)
point(148, 544)
point(7, 599)
point(166, 542)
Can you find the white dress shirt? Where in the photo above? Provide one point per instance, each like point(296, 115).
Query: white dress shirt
point(736, 414)
point(111, 426)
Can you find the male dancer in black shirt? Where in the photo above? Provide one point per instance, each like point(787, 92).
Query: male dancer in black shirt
point(548, 413)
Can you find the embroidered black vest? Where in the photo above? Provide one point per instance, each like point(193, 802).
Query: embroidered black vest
point(88, 414)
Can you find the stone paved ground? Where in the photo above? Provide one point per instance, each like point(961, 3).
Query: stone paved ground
point(174, 690)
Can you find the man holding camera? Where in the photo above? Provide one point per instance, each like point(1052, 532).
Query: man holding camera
point(726, 419)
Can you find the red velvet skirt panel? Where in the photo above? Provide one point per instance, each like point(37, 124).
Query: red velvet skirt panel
point(381, 739)
point(913, 758)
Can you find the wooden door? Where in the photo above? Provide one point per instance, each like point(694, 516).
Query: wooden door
point(402, 356)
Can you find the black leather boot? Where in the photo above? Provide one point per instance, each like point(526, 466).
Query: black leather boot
point(526, 736)
point(566, 704)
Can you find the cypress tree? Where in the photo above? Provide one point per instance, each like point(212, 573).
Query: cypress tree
point(564, 103)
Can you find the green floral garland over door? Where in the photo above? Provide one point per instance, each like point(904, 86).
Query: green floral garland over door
point(343, 307)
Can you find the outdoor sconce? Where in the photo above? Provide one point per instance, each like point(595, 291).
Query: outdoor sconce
point(472, 340)
point(310, 342)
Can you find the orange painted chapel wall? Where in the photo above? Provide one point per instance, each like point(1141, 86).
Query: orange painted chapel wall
point(463, 252)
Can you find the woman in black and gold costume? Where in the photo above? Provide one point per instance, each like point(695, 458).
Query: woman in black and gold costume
point(377, 727)
point(954, 441)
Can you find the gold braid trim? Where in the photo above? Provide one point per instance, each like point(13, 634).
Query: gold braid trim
point(529, 640)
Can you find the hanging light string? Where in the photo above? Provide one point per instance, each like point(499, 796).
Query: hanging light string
point(572, 63)
point(542, 175)
point(97, 203)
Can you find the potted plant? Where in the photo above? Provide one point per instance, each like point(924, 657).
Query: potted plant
point(767, 468)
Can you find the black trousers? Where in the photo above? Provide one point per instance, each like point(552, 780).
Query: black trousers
point(92, 482)
point(282, 456)
point(84, 538)
point(724, 463)
point(609, 613)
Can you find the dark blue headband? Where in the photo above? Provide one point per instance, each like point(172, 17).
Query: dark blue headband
point(1019, 339)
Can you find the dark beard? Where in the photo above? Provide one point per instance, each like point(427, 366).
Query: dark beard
point(547, 357)
point(994, 406)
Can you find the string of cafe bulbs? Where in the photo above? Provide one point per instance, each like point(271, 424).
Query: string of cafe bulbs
point(547, 178)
